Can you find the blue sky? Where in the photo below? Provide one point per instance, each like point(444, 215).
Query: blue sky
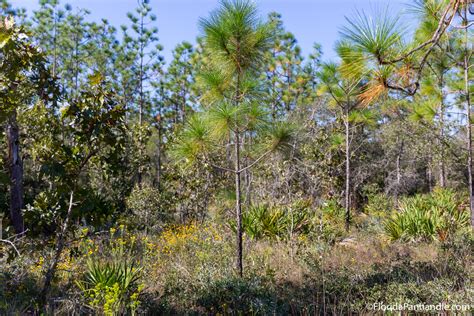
point(310, 20)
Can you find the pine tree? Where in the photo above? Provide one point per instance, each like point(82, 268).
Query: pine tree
point(286, 81)
point(235, 42)
point(343, 92)
point(180, 76)
point(142, 50)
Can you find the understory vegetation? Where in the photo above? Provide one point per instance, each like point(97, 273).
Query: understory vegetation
point(241, 177)
point(187, 269)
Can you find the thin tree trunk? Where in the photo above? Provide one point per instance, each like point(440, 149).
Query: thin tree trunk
point(159, 119)
point(442, 167)
point(399, 174)
point(238, 198)
point(238, 204)
point(15, 165)
point(247, 175)
point(43, 298)
point(158, 158)
point(348, 171)
point(469, 125)
point(141, 105)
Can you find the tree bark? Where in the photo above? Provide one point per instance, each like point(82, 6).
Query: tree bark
point(348, 171)
point(159, 141)
point(430, 176)
point(469, 125)
point(442, 166)
point(15, 165)
point(158, 158)
point(238, 204)
point(141, 105)
point(399, 173)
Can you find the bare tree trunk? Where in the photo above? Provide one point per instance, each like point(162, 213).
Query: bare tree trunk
point(159, 141)
point(141, 105)
point(399, 174)
point(15, 165)
point(348, 171)
point(469, 125)
point(442, 167)
point(238, 204)
point(429, 171)
point(158, 158)
point(247, 176)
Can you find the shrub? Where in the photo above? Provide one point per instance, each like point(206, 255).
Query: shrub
point(428, 217)
point(378, 205)
point(273, 222)
point(149, 208)
point(237, 296)
point(331, 216)
point(111, 287)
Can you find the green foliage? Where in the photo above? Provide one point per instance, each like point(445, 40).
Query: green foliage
point(235, 39)
point(237, 295)
point(95, 133)
point(150, 146)
point(377, 36)
point(379, 205)
point(44, 212)
point(112, 287)
point(331, 221)
point(263, 221)
point(180, 80)
point(428, 217)
point(150, 207)
point(23, 73)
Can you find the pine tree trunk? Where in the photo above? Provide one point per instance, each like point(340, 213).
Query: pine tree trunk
point(399, 173)
point(158, 154)
point(15, 165)
point(348, 172)
point(238, 204)
point(469, 125)
point(442, 167)
point(141, 105)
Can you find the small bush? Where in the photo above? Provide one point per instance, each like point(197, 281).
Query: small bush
point(237, 296)
point(428, 217)
point(273, 222)
point(111, 287)
point(378, 205)
point(148, 207)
